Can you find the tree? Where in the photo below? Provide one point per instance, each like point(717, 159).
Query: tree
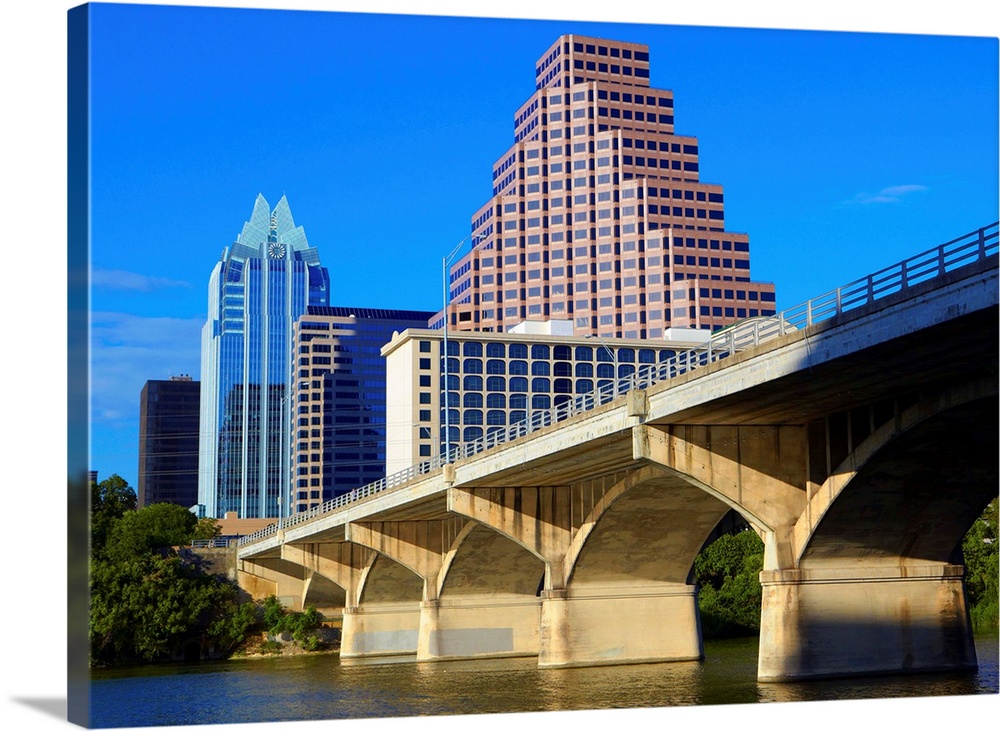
point(980, 548)
point(110, 499)
point(156, 526)
point(147, 603)
point(206, 529)
point(728, 574)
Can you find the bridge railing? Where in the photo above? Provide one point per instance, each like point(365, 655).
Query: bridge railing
point(967, 249)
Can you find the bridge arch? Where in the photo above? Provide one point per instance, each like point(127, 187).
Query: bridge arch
point(511, 568)
point(899, 498)
point(323, 593)
point(629, 520)
point(386, 581)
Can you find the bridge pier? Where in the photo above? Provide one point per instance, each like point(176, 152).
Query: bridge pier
point(478, 626)
point(818, 623)
point(619, 626)
point(380, 629)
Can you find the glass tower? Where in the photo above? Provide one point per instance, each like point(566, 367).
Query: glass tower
point(260, 286)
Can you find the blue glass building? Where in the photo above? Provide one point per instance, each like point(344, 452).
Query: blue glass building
point(340, 392)
point(260, 286)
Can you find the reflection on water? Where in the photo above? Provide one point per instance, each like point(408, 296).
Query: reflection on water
point(318, 687)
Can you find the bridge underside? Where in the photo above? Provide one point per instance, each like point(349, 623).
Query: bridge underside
point(861, 472)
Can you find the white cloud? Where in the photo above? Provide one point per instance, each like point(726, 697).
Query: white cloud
point(892, 194)
point(128, 350)
point(132, 281)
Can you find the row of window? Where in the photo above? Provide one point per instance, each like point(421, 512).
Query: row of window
point(544, 352)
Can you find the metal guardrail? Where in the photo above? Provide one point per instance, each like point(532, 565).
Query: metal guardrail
point(210, 543)
point(968, 249)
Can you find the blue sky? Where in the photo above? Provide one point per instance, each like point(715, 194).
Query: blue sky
point(835, 159)
point(839, 153)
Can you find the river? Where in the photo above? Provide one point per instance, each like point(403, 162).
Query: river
point(312, 687)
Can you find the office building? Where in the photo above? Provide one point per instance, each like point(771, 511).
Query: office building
point(261, 285)
point(598, 213)
point(339, 442)
point(168, 441)
point(497, 380)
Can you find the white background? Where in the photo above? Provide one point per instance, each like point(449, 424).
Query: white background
point(32, 173)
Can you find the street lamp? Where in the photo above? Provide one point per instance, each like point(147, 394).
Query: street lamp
point(447, 291)
point(286, 480)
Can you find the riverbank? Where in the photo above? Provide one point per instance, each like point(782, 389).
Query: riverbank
point(264, 646)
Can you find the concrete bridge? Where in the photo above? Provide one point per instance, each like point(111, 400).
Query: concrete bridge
point(857, 434)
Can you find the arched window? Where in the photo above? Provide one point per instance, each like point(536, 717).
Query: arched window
point(518, 367)
point(496, 401)
point(473, 383)
point(495, 350)
point(496, 367)
point(584, 352)
point(472, 350)
point(584, 370)
point(473, 416)
point(518, 385)
point(540, 385)
point(539, 368)
point(473, 401)
point(496, 383)
point(539, 352)
point(518, 350)
point(472, 366)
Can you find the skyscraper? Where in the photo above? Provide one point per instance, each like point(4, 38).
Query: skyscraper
point(168, 441)
point(340, 396)
point(598, 214)
point(260, 286)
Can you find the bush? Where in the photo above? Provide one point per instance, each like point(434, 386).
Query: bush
point(300, 625)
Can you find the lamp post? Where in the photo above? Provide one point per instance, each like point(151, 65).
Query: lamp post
point(286, 464)
point(447, 291)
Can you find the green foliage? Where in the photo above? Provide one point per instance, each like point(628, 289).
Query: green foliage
point(146, 608)
point(206, 529)
point(728, 574)
point(109, 500)
point(301, 626)
point(154, 527)
point(981, 584)
point(269, 647)
point(146, 602)
point(234, 622)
